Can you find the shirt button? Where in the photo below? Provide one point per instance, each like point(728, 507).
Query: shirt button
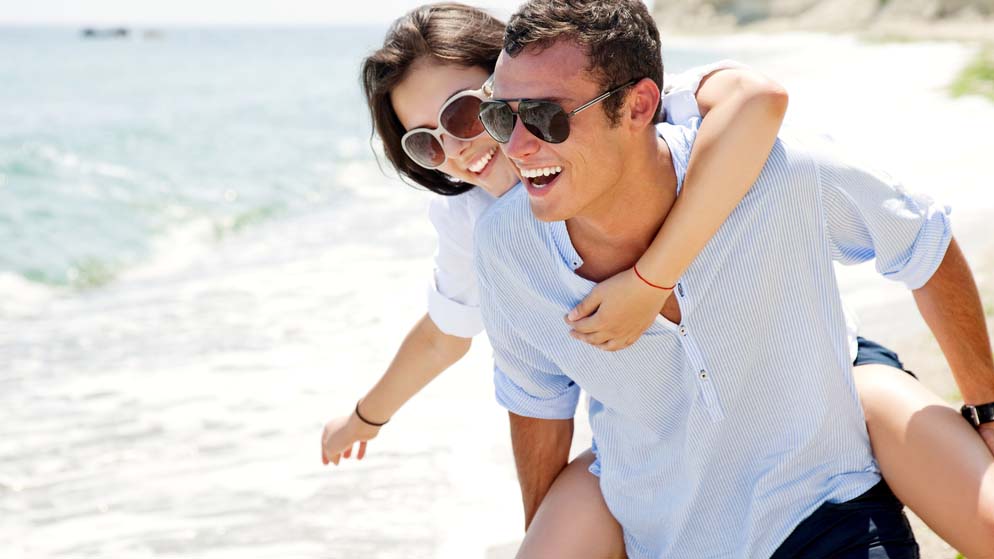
point(679, 288)
point(704, 374)
point(683, 330)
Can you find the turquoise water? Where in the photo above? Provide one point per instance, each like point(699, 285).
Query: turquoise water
point(107, 146)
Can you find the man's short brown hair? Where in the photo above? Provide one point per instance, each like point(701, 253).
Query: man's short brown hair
point(620, 38)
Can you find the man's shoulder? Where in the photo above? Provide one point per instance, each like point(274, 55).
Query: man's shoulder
point(800, 144)
point(798, 156)
point(832, 160)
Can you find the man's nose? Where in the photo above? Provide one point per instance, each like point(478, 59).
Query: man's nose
point(522, 143)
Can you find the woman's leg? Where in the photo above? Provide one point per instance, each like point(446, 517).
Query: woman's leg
point(933, 460)
point(573, 520)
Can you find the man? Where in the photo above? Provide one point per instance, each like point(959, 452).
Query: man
point(727, 426)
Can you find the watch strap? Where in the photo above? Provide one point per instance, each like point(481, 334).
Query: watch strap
point(978, 415)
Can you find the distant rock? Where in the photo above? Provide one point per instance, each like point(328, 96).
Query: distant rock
point(718, 15)
point(936, 9)
point(108, 33)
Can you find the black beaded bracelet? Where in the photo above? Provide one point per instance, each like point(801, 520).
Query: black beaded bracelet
point(366, 421)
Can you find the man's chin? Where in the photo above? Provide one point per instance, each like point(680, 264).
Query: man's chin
point(543, 211)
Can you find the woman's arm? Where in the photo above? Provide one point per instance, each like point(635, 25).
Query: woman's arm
point(742, 112)
point(424, 354)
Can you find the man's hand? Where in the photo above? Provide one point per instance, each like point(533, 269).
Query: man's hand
point(341, 434)
point(616, 312)
point(986, 431)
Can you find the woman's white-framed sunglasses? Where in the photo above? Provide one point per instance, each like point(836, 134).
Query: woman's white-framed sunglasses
point(458, 117)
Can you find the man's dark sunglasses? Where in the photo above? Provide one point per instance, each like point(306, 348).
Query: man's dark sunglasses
point(545, 119)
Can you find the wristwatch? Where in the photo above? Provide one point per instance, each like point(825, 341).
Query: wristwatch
point(978, 415)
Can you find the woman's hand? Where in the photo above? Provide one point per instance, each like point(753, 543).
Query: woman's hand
point(616, 312)
point(341, 434)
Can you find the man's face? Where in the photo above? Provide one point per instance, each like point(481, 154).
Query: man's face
point(591, 158)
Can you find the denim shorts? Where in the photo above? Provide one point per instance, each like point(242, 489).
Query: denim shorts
point(871, 526)
point(869, 351)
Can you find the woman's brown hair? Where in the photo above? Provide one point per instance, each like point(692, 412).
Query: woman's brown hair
point(449, 32)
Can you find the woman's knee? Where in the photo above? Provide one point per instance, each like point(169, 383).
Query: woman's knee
point(573, 519)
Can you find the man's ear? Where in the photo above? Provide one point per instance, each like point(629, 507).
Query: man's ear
point(643, 103)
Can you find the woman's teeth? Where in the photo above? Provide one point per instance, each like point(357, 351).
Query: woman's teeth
point(482, 161)
point(538, 176)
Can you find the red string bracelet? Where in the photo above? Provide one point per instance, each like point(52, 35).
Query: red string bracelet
point(649, 283)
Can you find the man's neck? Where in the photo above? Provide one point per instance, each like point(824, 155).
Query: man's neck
point(617, 228)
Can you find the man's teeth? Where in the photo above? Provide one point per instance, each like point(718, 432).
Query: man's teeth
point(482, 162)
point(542, 172)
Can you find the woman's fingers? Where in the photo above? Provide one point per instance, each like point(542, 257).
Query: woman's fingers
point(362, 450)
point(597, 338)
point(616, 344)
point(588, 325)
point(611, 345)
point(584, 309)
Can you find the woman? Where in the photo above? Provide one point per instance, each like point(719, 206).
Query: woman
point(423, 87)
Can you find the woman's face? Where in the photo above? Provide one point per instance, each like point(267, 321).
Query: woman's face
point(417, 99)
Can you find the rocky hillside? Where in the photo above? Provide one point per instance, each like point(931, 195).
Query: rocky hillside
point(817, 14)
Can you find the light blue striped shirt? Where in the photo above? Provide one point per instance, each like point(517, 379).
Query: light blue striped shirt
point(718, 435)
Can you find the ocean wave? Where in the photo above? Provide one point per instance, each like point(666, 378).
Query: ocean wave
point(22, 296)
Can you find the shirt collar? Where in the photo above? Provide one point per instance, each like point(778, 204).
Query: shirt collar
point(564, 246)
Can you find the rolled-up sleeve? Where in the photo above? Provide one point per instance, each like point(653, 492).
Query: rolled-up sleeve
point(868, 215)
point(526, 382)
point(526, 390)
point(453, 296)
point(451, 317)
point(680, 99)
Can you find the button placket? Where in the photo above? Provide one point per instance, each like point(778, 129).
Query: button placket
point(709, 393)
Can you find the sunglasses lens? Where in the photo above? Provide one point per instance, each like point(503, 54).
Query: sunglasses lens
point(461, 118)
point(498, 119)
point(546, 120)
point(424, 149)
